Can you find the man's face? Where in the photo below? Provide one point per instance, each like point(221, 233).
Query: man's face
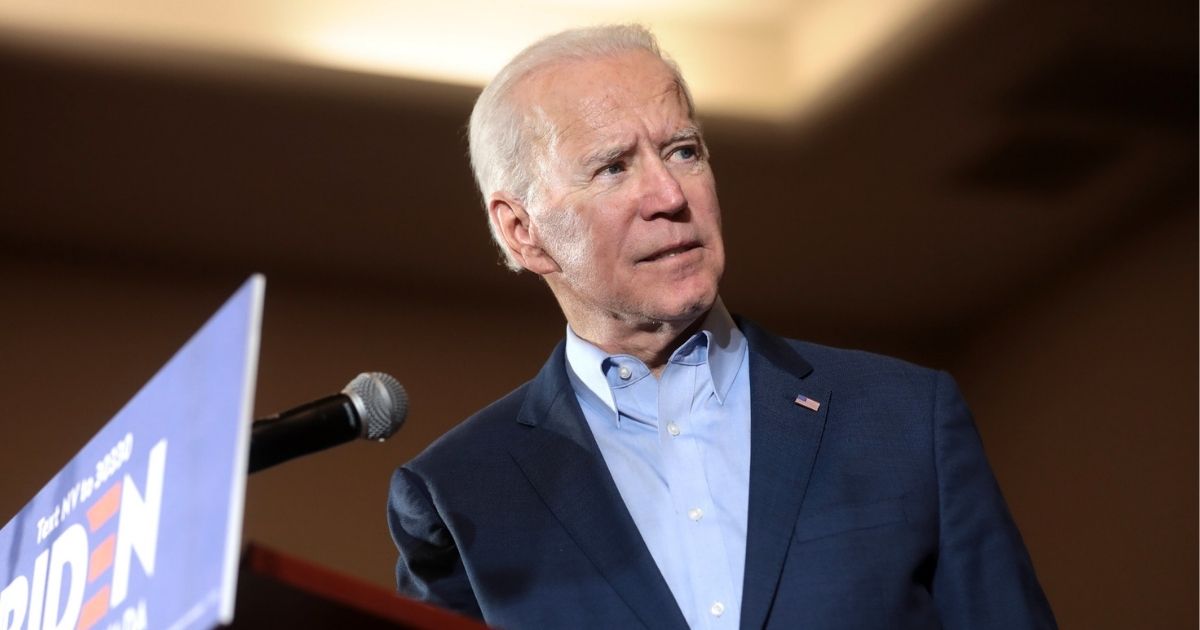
point(627, 205)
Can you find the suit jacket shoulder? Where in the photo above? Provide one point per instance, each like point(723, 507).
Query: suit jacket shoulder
point(475, 436)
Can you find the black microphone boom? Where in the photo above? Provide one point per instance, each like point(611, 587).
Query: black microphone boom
point(373, 406)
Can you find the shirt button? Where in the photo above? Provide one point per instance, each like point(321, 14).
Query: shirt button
point(696, 514)
point(717, 609)
point(673, 429)
point(624, 373)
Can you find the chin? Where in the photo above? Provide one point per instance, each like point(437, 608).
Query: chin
point(686, 309)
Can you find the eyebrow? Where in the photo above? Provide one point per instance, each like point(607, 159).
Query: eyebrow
point(691, 132)
point(608, 154)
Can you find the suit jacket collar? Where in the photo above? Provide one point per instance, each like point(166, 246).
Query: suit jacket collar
point(561, 460)
point(563, 463)
point(784, 438)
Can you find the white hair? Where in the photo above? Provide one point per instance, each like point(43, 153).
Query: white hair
point(500, 132)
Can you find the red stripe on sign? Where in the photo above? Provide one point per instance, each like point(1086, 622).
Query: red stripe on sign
point(94, 609)
point(104, 507)
point(102, 557)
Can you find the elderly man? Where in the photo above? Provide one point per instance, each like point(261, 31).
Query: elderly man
point(671, 466)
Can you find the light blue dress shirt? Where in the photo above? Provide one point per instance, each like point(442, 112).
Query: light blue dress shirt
point(678, 448)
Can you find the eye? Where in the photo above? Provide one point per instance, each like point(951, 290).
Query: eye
point(615, 168)
point(687, 152)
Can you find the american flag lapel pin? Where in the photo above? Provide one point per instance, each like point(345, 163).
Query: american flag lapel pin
point(807, 403)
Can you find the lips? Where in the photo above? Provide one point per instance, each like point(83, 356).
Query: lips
point(671, 251)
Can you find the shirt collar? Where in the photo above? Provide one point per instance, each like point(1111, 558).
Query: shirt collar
point(726, 346)
point(726, 349)
point(585, 361)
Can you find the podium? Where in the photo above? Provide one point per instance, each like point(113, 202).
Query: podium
point(277, 590)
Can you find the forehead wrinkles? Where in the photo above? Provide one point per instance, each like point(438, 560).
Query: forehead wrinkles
point(616, 105)
point(575, 115)
point(614, 121)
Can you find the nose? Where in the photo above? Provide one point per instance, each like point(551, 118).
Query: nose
point(661, 193)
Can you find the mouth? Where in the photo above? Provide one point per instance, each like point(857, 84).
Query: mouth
point(670, 252)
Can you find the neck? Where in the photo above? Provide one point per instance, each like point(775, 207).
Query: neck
point(651, 342)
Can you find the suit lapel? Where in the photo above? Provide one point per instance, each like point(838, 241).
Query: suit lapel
point(563, 463)
point(783, 446)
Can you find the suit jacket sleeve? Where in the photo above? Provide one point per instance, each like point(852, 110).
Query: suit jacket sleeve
point(984, 577)
point(430, 568)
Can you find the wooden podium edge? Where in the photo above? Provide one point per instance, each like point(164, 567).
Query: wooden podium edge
point(352, 592)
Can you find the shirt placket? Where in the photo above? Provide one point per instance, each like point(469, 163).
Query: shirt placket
point(695, 514)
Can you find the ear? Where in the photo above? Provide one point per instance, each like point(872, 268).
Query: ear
point(515, 226)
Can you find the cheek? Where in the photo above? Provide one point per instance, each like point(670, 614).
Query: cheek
point(702, 197)
point(608, 237)
point(560, 231)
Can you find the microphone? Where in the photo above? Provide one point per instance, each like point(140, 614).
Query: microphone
point(372, 407)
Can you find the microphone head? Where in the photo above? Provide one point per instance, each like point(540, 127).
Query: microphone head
point(381, 401)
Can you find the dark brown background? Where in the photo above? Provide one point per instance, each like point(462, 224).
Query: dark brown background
point(1014, 199)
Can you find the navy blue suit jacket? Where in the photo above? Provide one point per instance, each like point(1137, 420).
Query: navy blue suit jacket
point(877, 511)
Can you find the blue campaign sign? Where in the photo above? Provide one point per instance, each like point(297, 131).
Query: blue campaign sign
point(142, 528)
